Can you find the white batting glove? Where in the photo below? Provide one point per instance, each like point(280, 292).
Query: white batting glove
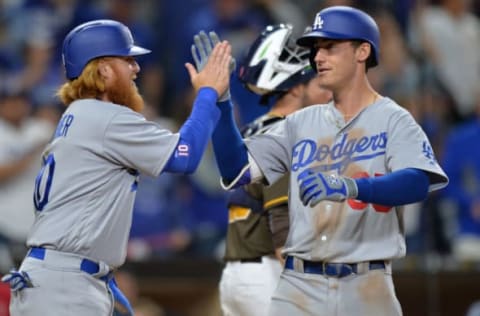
point(201, 50)
point(318, 186)
point(18, 280)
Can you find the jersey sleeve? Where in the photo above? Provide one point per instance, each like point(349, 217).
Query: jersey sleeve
point(132, 141)
point(409, 147)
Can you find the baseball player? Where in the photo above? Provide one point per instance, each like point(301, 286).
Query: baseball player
point(84, 192)
point(353, 164)
point(275, 67)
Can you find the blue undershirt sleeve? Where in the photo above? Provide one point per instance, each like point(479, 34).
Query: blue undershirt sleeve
point(230, 151)
point(195, 133)
point(397, 188)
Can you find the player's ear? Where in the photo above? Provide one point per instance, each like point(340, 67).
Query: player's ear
point(363, 51)
point(104, 68)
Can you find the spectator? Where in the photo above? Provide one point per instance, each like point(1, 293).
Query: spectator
point(22, 139)
point(398, 74)
point(234, 20)
point(450, 37)
point(461, 161)
point(279, 11)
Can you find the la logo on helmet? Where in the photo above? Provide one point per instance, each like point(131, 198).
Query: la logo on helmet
point(318, 23)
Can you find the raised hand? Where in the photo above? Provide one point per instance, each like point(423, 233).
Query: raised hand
point(202, 49)
point(215, 73)
point(318, 186)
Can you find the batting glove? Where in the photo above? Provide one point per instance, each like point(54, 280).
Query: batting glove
point(318, 186)
point(18, 280)
point(201, 50)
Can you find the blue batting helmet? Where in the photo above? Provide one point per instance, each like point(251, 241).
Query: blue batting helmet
point(344, 23)
point(95, 39)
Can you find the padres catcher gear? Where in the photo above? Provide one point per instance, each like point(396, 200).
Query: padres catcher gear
point(97, 39)
point(343, 23)
point(274, 63)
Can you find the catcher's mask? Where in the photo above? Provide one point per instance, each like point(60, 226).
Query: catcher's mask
point(274, 63)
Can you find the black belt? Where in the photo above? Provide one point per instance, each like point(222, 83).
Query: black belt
point(333, 269)
point(251, 260)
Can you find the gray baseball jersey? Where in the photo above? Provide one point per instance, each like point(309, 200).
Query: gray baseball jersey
point(382, 138)
point(85, 191)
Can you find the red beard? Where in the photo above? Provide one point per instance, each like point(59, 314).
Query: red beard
point(123, 92)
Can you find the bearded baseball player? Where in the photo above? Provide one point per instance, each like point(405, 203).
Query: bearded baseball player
point(353, 164)
point(85, 190)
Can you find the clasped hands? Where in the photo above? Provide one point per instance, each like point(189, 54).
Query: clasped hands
point(315, 186)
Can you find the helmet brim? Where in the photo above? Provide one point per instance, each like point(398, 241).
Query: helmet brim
point(308, 39)
point(137, 51)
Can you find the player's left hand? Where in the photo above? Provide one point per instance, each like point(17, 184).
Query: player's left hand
point(318, 186)
point(202, 49)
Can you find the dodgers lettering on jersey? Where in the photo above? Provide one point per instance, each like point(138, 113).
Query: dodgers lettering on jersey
point(383, 138)
point(306, 152)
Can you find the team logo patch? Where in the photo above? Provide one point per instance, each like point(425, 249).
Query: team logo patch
point(428, 152)
point(318, 23)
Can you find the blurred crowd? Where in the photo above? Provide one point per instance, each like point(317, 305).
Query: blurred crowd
point(430, 63)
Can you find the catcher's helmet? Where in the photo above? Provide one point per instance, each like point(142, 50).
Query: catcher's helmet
point(94, 39)
point(342, 22)
point(274, 63)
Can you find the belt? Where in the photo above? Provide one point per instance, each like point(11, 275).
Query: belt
point(251, 260)
point(332, 269)
point(85, 265)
